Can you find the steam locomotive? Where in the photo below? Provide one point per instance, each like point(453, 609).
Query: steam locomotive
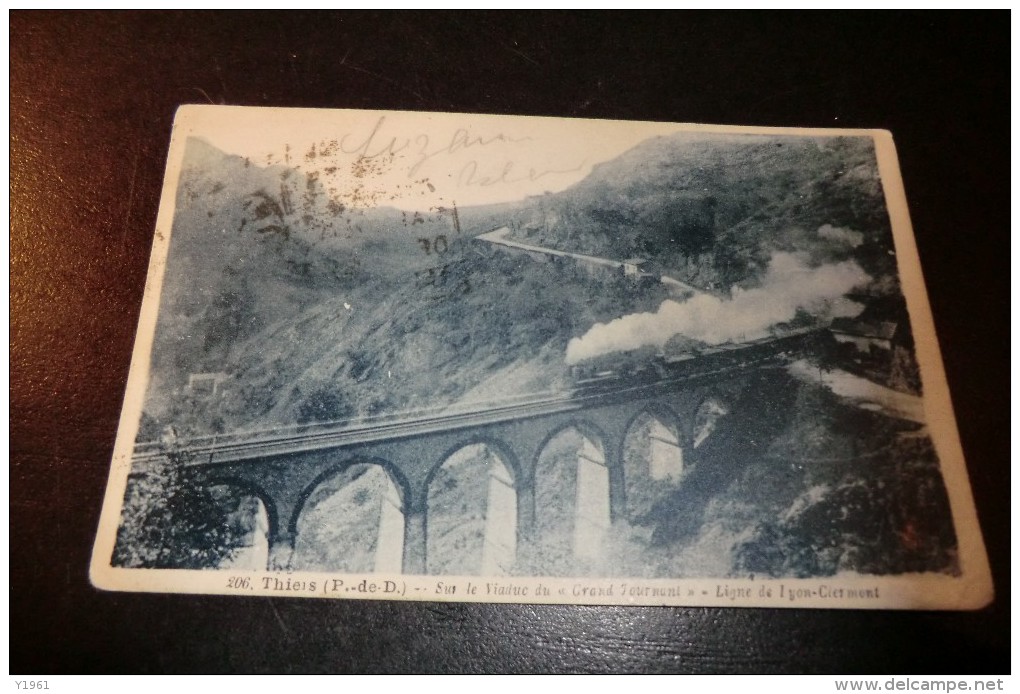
point(649, 364)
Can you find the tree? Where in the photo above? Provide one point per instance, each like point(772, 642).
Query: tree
point(904, 374)
point(326, 404)
point(172, 521)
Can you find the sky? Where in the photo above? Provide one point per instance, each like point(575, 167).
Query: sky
point(417, 160)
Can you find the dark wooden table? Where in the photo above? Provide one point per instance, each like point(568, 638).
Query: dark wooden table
point(92, 100)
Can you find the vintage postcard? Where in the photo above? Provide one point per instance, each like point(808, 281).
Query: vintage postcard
point(453, 357)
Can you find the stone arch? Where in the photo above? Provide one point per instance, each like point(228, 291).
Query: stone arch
point(472, 509)
point(351, 518)
point(253, 515)
point(705, 418)
point(504, 451)
point(250, 489)
point(652, 456)
point(572, 495)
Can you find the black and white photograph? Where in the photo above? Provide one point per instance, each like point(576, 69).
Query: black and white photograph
point(423, 356)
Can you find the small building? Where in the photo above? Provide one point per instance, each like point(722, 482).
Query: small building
point(206, 383)
point(864, 336)
point(633, 266)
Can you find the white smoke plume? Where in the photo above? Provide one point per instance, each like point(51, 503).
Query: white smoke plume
point(840, 235)
point(788, 285)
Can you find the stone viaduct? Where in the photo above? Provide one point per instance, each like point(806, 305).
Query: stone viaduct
point(284, 469)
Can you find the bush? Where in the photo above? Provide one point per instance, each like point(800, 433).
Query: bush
point(172, 521)
point(869, 522)
point(324, 405)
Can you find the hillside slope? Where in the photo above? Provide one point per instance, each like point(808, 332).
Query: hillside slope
point(314, 312)
point(712, 209)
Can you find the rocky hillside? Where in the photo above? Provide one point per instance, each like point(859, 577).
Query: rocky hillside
point(309, 306)
point(312, 311)
point(712, 209)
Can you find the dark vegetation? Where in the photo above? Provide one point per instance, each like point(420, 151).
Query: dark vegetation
point(172, 521)
point(824, 487)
